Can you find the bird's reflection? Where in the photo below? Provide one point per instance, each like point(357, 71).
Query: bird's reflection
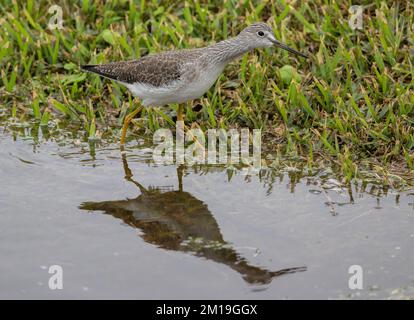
point(176, 220)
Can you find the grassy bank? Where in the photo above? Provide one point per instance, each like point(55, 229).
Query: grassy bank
point(351, 103)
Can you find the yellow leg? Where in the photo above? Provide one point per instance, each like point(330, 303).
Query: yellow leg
point(195, 140)
point(127, 121)
point(180, 113)
point(180, 117)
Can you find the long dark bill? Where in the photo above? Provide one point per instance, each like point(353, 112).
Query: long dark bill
point(285, 47)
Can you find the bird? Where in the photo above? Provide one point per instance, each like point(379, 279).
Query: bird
point(178, 76)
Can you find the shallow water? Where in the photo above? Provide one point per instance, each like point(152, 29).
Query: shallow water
point(122, 227)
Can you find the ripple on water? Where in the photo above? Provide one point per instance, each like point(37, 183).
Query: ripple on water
point(192, 232)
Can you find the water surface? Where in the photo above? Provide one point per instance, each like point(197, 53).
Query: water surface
point(122, 227)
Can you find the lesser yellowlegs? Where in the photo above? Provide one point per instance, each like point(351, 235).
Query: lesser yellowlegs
point(183, 75)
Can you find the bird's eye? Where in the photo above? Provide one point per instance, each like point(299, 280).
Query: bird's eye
point(260, 33)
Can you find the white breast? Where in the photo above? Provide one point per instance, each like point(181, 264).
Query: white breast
point(192, 85)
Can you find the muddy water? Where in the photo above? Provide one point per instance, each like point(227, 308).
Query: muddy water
point(123, 227)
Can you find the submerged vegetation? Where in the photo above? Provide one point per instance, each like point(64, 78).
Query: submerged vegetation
point(351, 104)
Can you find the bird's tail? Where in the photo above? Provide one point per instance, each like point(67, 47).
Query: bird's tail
point(100, 70)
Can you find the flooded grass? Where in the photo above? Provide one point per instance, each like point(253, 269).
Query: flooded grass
point(351, 104)
point(70, 133)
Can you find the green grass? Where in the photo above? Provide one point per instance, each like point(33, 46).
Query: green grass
point(351, 104)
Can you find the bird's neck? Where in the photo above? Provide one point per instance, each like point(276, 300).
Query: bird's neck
point(228, 50)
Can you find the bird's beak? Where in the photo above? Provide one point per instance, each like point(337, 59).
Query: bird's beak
point(285, 47)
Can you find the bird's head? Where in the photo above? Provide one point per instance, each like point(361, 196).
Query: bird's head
point(260, 35)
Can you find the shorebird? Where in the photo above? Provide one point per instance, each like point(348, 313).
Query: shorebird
point(182, 75)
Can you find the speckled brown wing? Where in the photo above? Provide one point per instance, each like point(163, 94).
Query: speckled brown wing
point(157, 70)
